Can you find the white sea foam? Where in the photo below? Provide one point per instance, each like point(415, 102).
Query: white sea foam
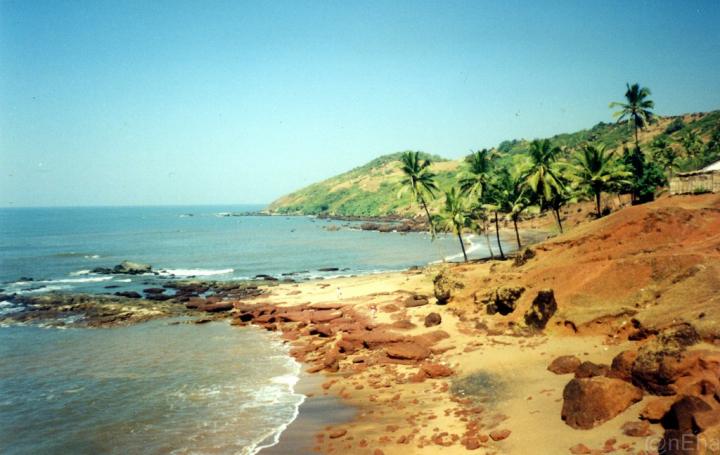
point(93, 279)
point(80, 272)
point(195, 272)
point(9, 308)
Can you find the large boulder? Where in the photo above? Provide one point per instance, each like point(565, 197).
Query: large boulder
point(682, 413)
point(542, 309)
point(659, 366)
point(622, 364)
point(444, 286)
point(589, 402)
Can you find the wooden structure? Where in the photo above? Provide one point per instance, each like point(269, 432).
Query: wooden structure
point(705, 180)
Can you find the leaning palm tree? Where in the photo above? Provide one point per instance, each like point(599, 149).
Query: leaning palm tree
point(637, 109)
point(598, 170)
point(544, 177)
point(477, 178)
point(420, 180)
point(509, 196)
point(453, 215)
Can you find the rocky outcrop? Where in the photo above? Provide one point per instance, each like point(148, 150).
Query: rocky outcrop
point(542, 309)
point(444, 286)
point(415, 301)
point(125, 268)
point(501, 300)
point(589, 369)
point(589, 402)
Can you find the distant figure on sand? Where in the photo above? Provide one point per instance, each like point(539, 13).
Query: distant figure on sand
point(339, 293)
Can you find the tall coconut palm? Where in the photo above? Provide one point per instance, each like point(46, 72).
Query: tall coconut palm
point(598, 170)
point(453, 215)
point(420, 180)
point(476, 179)
point(637, 109)
point(509, 196)
point(544, 177)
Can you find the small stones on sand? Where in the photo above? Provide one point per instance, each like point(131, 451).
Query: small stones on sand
point(499, 435)
point(337, 433)
point(565, 364)
point(432, 319)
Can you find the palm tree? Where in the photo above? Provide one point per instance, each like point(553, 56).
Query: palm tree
point(665, 154)
point(479, 220)
point(509, 196)
point(420, 179)
point(637, 109)
point(453, 216)
point(477, 178)
point(544, 177)
point(598, 170)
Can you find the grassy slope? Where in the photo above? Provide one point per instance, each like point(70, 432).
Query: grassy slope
point(372, 189)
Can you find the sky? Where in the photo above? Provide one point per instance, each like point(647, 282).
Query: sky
point(212, 102)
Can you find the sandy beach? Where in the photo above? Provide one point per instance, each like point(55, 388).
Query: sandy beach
point(425, 377)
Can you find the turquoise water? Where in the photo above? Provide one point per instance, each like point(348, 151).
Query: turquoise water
point(57, 247)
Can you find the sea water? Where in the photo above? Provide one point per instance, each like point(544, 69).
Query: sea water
point(161, 387)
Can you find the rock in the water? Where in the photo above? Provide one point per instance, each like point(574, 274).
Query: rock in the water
point(415, 301)
point(589, 402)
point(128, 294)
point(502, 299)
point(132, 268)
point(432, 319)
point(542, 309)
point(565, 364)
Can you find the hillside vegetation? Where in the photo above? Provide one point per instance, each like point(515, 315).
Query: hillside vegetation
point(372, 189)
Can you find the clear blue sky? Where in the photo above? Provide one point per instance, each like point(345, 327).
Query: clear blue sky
point(171, 102)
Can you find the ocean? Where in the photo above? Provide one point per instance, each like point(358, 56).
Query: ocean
point(165, 386)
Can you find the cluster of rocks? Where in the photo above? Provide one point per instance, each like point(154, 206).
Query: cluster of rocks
point(504, 300)
point(685, 383)
point(334, 337)
point(124, 268)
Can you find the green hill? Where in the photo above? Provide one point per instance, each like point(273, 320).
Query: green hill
point(372, 189)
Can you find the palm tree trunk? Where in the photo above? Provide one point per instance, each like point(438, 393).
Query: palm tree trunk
point(487, 239)
point(497, 234)
point(427, 212)
point(462, 245)
point(557, 215)
point(597, 204)
point(517, 233)
point(637, 143)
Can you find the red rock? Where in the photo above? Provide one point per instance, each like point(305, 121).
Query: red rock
point(565, 364)
point(325, 306)
point(655, 409)
point(682, 413)
point(376, 338)
point(471, 443)
point(415, 301)
point(403, 325)
point(325, 316)
point(430, 338)
point(621, 367)
point(499, 435)
point(407, 350)
point(217, 307)
point(707, 419)
point(636, 429)
point(432, 319)
point(588, 402)
point(435, 370)
point(338, 433)
point(589, 370)
point(580, 449)
point(390, 308)
point(378, 452)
